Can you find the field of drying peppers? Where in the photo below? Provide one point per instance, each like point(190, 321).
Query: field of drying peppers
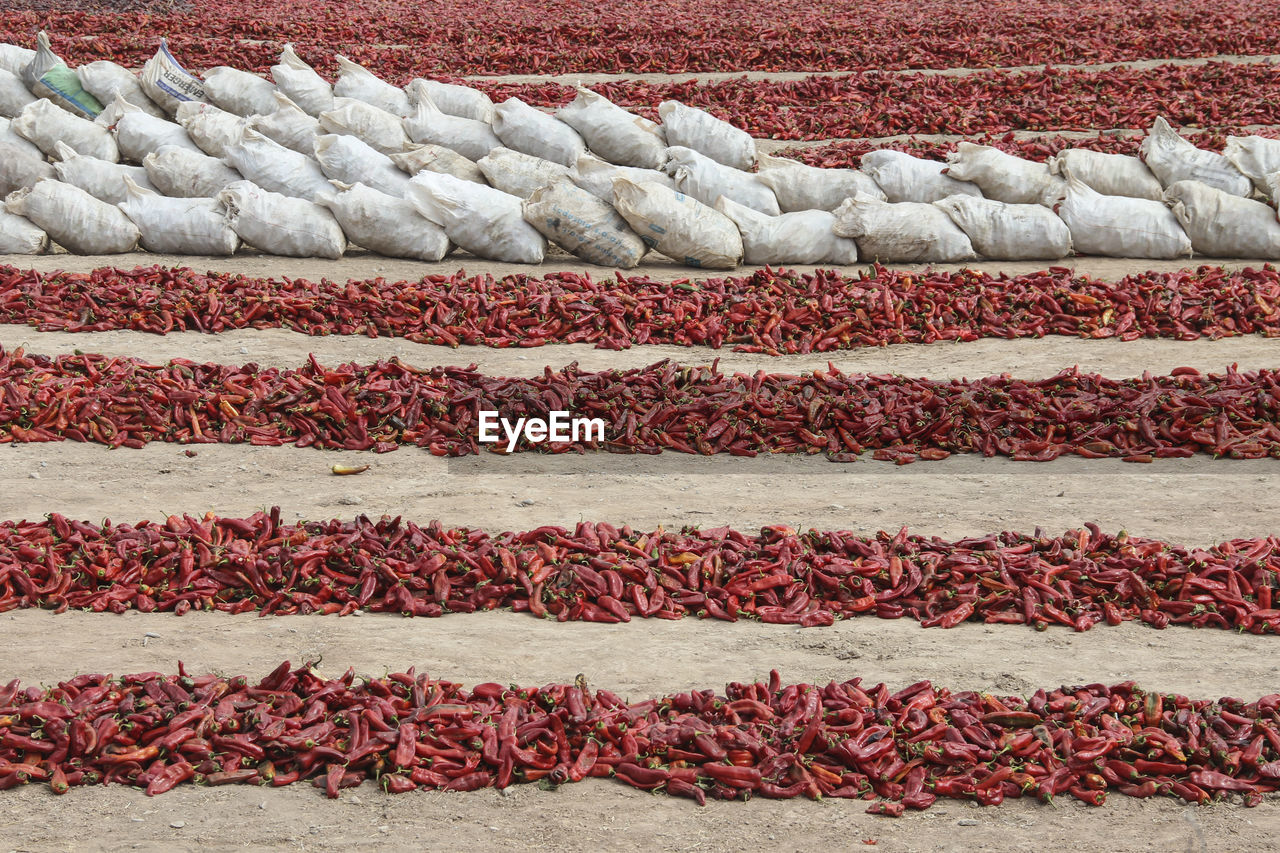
point(233, 616)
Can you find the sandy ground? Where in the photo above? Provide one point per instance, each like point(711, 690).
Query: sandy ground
point(1198, 501)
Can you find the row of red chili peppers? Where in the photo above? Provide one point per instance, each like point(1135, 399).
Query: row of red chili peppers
point(848, 154)
point(524, 38)
point(599, 573)
point(903, 749)
point(770, 311)
point(379, 407)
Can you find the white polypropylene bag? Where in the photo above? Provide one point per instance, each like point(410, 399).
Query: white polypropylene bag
point(181, 173)
point(385, 224)
point(803, 237)
point(1009, 232)
point(1223, 225)
point(211, 129)
point(1172, 158)
point(531, 131)
point(289, 125)
point(689, 127)
point(179, 226)
point(275, 168)
point(903, 232)
point(14, 95)
point(1108, 174)
point(1002, 176)
point(452, 99)
point(596, 176)
point(1120, 227)
point(486, 222)
point(14, 58)
point(679, 226)
point(280, 225)
point(374, 125)
point(239, 91)
point(105, 80)
point(437, 158)
point(19, 167)
point(100, 179)
point(167, 83)
point(470, 138)
point(8, 135)
point(612, 133)
point(356, 81)
point(798, 186)
point(349, 160)
point(706, 180)
point(48, 76)
point(301, 84)
point(1256, 157)
point(44, 123)
point(583, 225)
point(519, 174)
point(138, 133)
point(20, 236)
point(74, 219)
point(904, 178)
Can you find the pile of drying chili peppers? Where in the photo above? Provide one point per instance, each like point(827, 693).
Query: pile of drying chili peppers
point(126, 402)
point(770, 311)
point(408, 731)
point(599, 573)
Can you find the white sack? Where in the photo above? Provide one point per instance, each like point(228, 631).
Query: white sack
point(279, 225)
point(275, 168)
point(904, 232)
point(531, 131)
point(1002, 176)
point(451, 98)
point(181, 173)
point(7, 135)
point(437, 158)
point(596, 176)
point(1108, 174)
point(1009, 232)
point(1119, 227)
point(100, 179)
point(301, 84)
point(680, 227)
point(14, 58)
point(486, 222)
point(167, 83)
point(20, 236)
point(689, 127)
point(583, 225)
point(289, 125)
point(48, 76)
point(470, 138)
point(1256, 157)
point(44, 124)
point(356, 81)
point(105, 80)
point(904, 178)
point(388, 225)
point(14, 95)
point(798, 186)
point(706, 180)
point(803, 237)
point(347, 159)
point(374, 125)
point(180, 226)
point(519, 174)
point(19, 167)
point(74, 219)
point(614, 134)
point(210, 128)
point(138, 133)
point(1172, 158)
point(1222, 225)
point(239, 92)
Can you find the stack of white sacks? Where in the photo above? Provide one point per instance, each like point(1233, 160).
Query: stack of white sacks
point(101, 160)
